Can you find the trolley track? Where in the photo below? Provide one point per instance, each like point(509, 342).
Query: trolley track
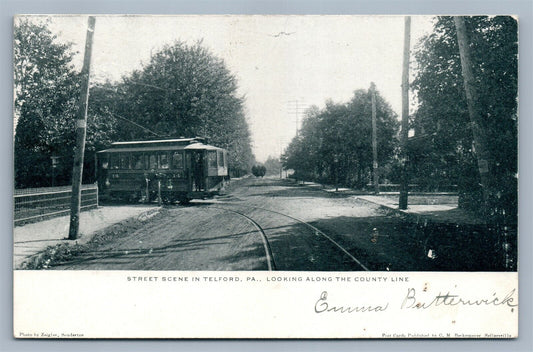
point(268, 250)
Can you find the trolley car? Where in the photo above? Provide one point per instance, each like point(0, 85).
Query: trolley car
point(168, 170)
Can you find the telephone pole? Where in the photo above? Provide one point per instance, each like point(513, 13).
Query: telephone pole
point(81, 126)
point(404, 182)
point(374, 139)
point(295, 107)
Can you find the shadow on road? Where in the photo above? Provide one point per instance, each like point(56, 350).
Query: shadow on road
point(148, 258)
point(393, 244)
point(283, 188)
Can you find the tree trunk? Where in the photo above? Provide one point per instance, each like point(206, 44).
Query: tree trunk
point(480, 144)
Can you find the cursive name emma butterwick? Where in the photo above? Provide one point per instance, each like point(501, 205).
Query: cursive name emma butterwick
point(448, 299)
point(322, 306)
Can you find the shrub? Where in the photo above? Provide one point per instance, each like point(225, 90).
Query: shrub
point(258, 170)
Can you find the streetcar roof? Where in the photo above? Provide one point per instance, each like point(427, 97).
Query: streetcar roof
point(201, 146)
point(159, 141)
point(168, 144)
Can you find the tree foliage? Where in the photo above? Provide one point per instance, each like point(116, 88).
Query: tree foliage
point(335, 144)
point(47, 91)
point(259, 170)
point(185, 91)
point(272, 165)
point(46, 88)
point(445, 154)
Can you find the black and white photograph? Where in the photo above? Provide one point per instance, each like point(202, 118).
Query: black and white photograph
point(279, 153)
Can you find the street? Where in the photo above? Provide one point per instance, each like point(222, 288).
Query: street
point(262, 224)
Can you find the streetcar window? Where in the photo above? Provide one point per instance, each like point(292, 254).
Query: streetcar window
point(212, 159)
point(177, 160)
point(114, 161)
point(221, 161)
point(163, 161)
point(137, 161)
point(152, 163)
point(124, 161)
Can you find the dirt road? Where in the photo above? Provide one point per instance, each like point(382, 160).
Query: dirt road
point(272, 224)
point(259, 224)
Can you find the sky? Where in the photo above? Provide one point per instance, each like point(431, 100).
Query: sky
point(283, 64)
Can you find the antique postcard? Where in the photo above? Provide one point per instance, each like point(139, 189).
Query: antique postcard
point(265, 176)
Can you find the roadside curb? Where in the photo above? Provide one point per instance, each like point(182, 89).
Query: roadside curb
point(394, 211)
point(145, 215)
point(41, 254)
point(411, 216)
point(425, 218)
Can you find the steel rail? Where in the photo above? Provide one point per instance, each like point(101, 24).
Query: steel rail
point(268, 250)
point(310, 226)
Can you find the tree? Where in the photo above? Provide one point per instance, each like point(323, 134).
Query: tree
point(46, 89)
point(357, 132)
point(442, 115)
point(183, 91)
point(46, 96)
point(335, 144)
point(186, 91)
point(273, 166)
point(258, 170)
point(303, 153)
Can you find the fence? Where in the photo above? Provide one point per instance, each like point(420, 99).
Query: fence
point(34, 204)
point(414, 188)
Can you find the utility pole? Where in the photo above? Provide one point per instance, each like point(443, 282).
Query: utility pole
point(297, 119)
point(404, 182)
point(374, 139)
point(55, 162)
point(280, 154)
point(81, 124)
point(472, 99)
point(295, 108)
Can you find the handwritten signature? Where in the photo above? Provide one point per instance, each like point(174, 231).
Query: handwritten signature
point(410, 301)
point(448, 299)
point(322, 306)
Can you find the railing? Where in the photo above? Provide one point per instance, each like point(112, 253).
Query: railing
point(34, 204)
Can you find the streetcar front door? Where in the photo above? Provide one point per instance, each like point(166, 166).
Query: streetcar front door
point(198, 169)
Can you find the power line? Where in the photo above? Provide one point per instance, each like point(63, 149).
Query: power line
point(127, 120)
point(134, 123)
